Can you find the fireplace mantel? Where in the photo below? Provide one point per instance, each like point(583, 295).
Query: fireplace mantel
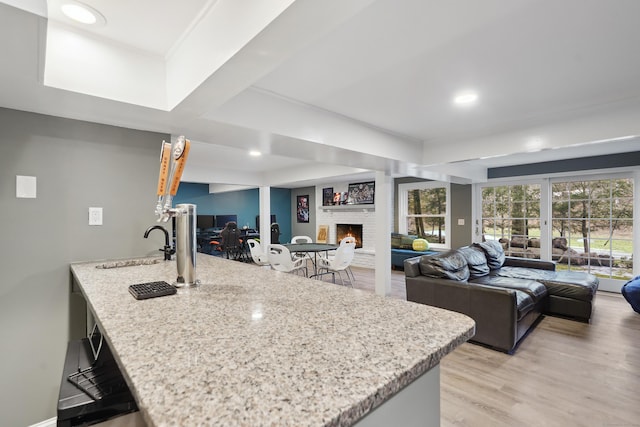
point(348, 208)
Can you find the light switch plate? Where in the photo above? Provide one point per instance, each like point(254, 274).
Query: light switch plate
point(95, 216)
point(25, 187)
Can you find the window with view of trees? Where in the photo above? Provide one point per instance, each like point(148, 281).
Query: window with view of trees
point(592, 226)
point(511, 215)
point(423, 211)
point(588, 227)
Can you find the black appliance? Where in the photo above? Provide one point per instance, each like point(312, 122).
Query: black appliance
point(92, 389)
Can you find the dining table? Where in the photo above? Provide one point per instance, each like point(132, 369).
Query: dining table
point(311, 248)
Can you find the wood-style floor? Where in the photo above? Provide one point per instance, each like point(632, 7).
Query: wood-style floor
point(565, 373)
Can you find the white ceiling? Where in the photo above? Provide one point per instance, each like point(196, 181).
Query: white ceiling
point(339, 88)
point(148, 25)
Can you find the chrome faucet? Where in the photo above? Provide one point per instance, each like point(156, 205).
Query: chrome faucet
point(168, 250)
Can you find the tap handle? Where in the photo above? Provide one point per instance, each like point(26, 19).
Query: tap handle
point(173, 158)
point(165, 157)
point(180, 154)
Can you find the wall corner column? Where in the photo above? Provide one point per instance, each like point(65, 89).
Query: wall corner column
point(265, 217)
point(383, 204)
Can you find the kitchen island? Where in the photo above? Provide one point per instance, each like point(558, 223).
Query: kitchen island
point(251, 346)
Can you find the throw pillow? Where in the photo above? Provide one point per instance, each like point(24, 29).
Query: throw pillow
point(494, 252)
point(476, 260)
point(420, 245)
point(448, 265)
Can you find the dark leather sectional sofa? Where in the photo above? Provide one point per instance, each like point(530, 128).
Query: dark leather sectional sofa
point(504, 295)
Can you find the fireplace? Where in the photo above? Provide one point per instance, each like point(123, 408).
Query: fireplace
point(353, 230)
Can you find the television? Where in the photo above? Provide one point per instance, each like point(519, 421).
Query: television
point(273, 219)
point(205, 221)
point(222, 220)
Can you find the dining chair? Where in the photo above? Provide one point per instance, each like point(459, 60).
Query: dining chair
point(344, 241)
point(280, 260)
point(302, 239)
point(347, 239)
point(258, 256)
point(339, 262)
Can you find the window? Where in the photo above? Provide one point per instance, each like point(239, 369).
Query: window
point(511, 214)
point(583, 223)
point(423, 210)
point(592, 226)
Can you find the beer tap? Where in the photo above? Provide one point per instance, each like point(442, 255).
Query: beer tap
point(173, 158)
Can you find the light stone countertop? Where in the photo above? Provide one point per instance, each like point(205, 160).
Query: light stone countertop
point(251, 346)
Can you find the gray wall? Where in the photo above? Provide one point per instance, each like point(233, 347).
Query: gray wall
point(77, 165)
point(303, 228)
point(606, 161)
point(461, 235)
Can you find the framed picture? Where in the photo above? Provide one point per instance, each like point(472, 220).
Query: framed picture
point(361, 193)
point(303, 208)
point(327, 196)
point(323, 233)
point(344, 197)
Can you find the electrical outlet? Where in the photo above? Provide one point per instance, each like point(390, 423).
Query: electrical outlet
point(95, 216)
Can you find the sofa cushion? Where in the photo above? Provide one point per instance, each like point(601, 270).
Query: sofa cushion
point(402, 241)
point(524, 303)
point(476, 260)
point(494, 253)
point(536, 290)
point(576, 285)
point(448, 265)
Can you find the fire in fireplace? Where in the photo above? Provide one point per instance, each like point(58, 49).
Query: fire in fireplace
point(353, 230)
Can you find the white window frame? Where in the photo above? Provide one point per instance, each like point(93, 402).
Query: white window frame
point(403, 208)
point(545, 197)
point(610, 285)
point(607, 284)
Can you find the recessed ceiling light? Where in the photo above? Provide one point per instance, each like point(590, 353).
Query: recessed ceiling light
point(82, 13)
point(534, 144)
point(255, 153)
point(465, 98)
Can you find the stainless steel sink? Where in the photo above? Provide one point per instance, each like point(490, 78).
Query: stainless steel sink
point(129, 263)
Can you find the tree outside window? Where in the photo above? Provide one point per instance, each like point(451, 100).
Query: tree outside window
point(511, 215)
point(426, 213)
point(592, 226)
point(591, 223)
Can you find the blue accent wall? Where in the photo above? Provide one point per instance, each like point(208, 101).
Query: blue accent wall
point(245, 204)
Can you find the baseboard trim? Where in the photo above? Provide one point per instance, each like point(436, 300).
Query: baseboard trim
point(51, 422)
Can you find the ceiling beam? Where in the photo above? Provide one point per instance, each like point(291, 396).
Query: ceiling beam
point(290, 31)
